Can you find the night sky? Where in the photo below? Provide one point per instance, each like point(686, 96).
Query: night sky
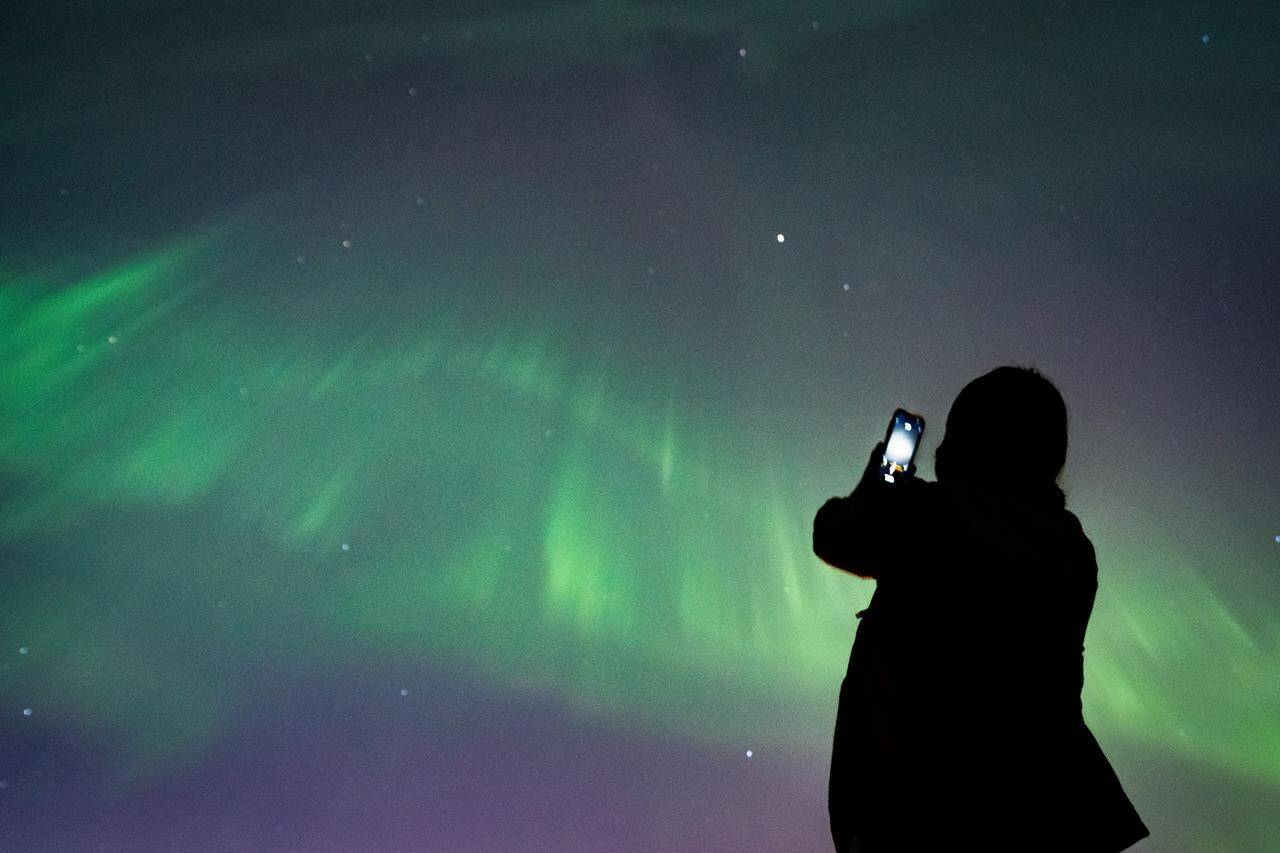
point(412, 416)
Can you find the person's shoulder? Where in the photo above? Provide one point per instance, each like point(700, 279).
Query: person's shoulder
point(1086, 555)
point(1071, 522)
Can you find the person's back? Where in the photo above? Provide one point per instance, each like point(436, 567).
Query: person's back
point(960, 716)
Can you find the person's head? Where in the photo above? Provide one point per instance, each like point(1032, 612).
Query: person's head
point(1006, 430)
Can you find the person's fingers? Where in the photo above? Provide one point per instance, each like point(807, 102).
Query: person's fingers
point(877, 455)
point(872, 471)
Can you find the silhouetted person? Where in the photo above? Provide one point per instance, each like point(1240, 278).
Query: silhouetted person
point(960, 716)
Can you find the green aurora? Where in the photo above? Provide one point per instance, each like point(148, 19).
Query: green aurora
point(399, 491)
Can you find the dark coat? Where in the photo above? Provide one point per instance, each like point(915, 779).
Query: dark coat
point(960, 715)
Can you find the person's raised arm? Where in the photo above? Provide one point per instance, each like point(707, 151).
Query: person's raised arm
point(862, 532)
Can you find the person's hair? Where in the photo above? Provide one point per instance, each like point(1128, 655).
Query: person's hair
point(1007, 428)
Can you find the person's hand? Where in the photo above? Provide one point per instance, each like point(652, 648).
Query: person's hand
point(871, 474)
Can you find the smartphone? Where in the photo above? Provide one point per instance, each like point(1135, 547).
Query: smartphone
point(900, 444)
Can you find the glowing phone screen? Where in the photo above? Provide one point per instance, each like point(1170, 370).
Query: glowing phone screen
point(900, 448)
